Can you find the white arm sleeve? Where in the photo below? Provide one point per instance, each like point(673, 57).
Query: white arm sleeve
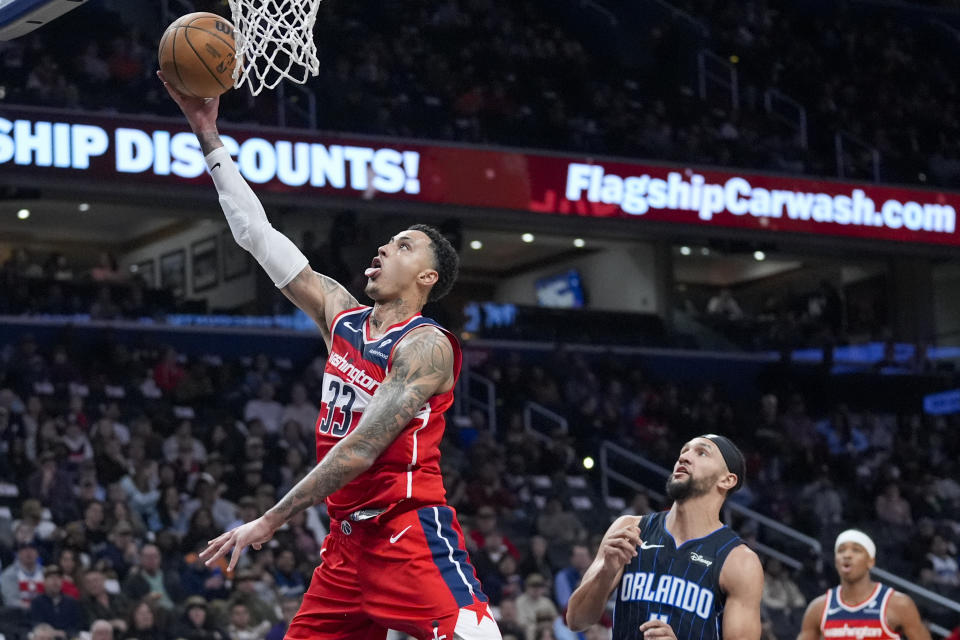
point(278, 256)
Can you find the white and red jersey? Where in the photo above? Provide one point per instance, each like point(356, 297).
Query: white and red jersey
point(409, 469)
point(866, 620)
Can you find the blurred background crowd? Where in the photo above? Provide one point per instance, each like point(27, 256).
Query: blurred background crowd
point(120, 457)
point(611, 76)
point(118, 462)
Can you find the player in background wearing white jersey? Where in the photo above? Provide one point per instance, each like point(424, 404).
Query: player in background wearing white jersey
point(860, 608)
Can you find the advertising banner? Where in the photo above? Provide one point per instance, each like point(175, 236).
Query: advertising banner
point(135, 150)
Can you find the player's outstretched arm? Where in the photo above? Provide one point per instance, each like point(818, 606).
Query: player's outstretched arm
point(742, 580)
point(422, 367)
point(902, 610)
point(810, 627)
point(320, 297)
point(618, 547)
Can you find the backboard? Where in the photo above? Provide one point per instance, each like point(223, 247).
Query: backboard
point(18, 17)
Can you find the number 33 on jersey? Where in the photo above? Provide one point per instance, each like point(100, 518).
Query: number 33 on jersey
point(410, 467)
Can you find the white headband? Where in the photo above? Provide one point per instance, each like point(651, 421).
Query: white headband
point(862, 539)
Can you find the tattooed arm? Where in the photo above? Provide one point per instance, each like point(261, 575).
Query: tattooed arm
point(320, 297)
point(422, 367)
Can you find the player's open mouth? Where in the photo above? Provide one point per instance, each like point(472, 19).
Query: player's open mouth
point(374, 269)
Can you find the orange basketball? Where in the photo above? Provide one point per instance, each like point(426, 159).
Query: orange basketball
point(198, 54)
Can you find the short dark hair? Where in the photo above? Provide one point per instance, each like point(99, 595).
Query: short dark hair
point(445, 258)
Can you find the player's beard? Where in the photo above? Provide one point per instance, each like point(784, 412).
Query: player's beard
point(680, 490)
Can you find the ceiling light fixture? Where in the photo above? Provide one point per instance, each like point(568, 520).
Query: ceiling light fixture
point(527, 237)
point(476, 245)
point(685, 250)
point(579, 243)
point(23, 214)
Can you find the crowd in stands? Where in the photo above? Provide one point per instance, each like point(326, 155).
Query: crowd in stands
point(56, 286)
point(779, 317)
point(116, 469)
point(880, 75)
point(527, 74)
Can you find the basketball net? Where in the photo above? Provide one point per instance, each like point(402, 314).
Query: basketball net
point(274, 41)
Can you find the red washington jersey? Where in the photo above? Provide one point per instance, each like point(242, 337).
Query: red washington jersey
point(864, 621)
point(409, 469)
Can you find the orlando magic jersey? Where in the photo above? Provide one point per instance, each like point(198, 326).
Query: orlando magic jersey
point(867, 619)
point(679, 586)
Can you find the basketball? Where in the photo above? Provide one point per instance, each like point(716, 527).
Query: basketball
point(197, 54)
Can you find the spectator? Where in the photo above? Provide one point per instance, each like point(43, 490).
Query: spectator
point(148, 580)
point(559, 526)
point(32, 517)
point(507, 620)
point(77, 444)
point(171, 511)
point(196, 623)
point(537, 559)
point(265, 409)
point(120, 551)
point(219, 514)
point(533, 604)
point(197, 579)
point(942, 571)
point(245, 592)
point(892, 508)
point(597, 631)
point(101, 630)
point(44, 631)
point(487, 488)
point(182, 441)
point(241, 627)
point(143, 495)
point(782, 599)
point(94, 524)
point(824, 501)
point(61, 612)
point(569, 578)
point(639, 505)
point(724, 305)
point(485, 524)
point(168, 373)
point(289, 605)
point(22, 581)
point(100, 604)
point(69, 567)
point(107, 269)
point(289, 581)
point(52, 486)
point(142, 623)
point(301, 411)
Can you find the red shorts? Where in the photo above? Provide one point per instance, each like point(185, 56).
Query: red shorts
point(407, 571)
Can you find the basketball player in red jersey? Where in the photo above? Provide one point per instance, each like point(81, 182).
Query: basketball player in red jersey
point(395, 558)
point(860, 608)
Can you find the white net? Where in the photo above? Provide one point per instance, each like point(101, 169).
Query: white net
point(274, 41)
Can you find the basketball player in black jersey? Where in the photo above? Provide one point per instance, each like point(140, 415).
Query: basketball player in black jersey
point(680, 574)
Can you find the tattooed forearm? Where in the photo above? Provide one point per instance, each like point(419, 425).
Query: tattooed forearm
point(209, 140)
point(423, 365)
point(320, 297)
